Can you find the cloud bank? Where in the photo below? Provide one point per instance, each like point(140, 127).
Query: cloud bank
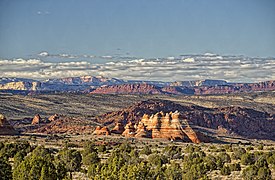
point(230, 68)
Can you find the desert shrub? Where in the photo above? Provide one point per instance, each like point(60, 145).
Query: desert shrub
point(225, 170)
point(38, 165)
point(228, 148)
point(248, 159)
point(101, 148)
point(89, 147)
point(210, 162)
point(264, 173)
point(2, 145)
point(173, 172)
point(146, 150)
point(157, 160)
point(235, 167)
point(224, 157)
point(70, 159)
point(238, 152)
point(172, 152)
point(90, 159)
point(249, 148)
point(260, 147)
point(93, 170)
point(250, 172)
point(192, 148)
point(5, 170)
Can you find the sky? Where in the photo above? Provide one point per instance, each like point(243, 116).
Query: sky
point(131, 39)
point(143, 28)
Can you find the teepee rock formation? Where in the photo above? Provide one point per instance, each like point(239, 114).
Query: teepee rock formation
point(164, 126)
point(118, 129)
point(101, 131)
point(5, 127)
point(129, 130)
point(36, 120)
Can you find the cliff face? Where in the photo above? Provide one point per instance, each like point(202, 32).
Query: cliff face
point(236, 88)
point(128, 89)
point(233, 120)
point(102, 85)
point(21, 85)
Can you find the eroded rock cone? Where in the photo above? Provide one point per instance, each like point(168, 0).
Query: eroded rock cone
point(129, 130)
point(141, 131)
point(101, 131)
point(36, 120)
point(53, 117)
point(5, 127)
point(118, 129)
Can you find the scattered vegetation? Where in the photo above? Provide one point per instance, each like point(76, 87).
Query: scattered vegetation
point(20, 160)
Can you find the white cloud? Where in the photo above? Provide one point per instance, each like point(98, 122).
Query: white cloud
point(231, 69)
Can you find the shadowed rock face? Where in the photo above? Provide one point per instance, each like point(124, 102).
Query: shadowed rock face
point(128, 89)
point(5, 127)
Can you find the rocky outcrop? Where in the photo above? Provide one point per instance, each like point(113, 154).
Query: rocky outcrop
point(101, 131)
point(53, 117)
point(66, 125)
point(129, 130)
point(36, 120)
point(128, 89)
point(240, 121)
point(141, 131)
point(168, 126)
point(102, 85)
point(5, 127)
point(163, 126)
point(135, 112)
point(118, 129)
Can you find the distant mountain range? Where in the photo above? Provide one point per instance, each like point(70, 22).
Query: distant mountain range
point(103, 85)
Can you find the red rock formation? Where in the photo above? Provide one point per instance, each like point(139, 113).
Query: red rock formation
point(165, 126)
point(118, 129)
point(53, 117)
point(129, 130)
point(5, 127)
point(101, 131)
point(67, 125)
point(36, 120)
point(240, 121)
point(141, 131)
point(128, 89)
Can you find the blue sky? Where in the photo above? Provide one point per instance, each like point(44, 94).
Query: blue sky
point(142, 28)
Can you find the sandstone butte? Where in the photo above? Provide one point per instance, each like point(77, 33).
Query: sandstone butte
point(36, 120)
point(160, 125)
point(5, 127)
point(101, 131)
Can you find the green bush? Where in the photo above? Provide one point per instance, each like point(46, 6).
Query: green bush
point(248, 159)
point(5, 170)
point(90, 159)
point(235, 167)
point(225, 171)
